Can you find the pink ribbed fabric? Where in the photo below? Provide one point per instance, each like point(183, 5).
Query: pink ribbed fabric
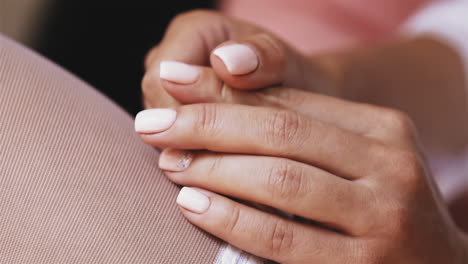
point(76, 183)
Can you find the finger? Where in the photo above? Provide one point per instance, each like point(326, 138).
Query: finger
point(359, 118)
point(372, 121)
point(386, 125)
point(259, 233)
point(189, 39)
point(259, 61)
point(180, 43)
point(290, 186)
point(262, 131)
point(190, 84)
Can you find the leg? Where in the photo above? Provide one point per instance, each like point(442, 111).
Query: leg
point(76, 183)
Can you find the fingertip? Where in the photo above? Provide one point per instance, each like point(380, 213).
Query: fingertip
point(180, 80)
point(152, 121)
point(253, 63)
point(193, 200)
point(203, 208)
point(209, 88)
point(178, 72)
point(238, 59)
point(175, 160)
point(233, 71)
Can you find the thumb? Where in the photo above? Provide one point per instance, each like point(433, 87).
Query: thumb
point(189, 38)
point(262, 60)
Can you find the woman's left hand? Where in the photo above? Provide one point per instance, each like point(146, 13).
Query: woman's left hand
point(354, 170)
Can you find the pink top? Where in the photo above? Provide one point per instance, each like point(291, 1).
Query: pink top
point(317, 25)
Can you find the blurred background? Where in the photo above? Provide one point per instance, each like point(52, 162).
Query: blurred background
point(102, 42)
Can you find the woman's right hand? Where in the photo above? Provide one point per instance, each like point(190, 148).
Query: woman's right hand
point(208, 57)
point(395, 74)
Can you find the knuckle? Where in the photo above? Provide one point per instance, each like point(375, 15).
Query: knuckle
point(395, 220)
point(284, 128)
point(150, 90)
point(285, 181)
point(230, 221)
point(406, 164)
point(216, 165)
point(400, 166)
point(207, 119)
point(406, 181)
point(279, 238)
point(274, 46)
point(389, 215)
point(397, 122)
point(411, 176)
point(148, 83)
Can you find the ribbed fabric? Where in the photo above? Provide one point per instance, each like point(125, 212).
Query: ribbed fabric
point(76, 183)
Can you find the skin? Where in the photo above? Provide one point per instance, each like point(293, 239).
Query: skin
point(410, 75)
point(365, 186)
point(368, 188)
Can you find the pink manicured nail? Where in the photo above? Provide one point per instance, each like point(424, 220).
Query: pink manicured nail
point(175, 160)
point(239, 59)
point(154, 120)
point(193, 200)
point(178, 72)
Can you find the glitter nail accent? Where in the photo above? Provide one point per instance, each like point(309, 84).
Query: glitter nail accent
point(185, 160)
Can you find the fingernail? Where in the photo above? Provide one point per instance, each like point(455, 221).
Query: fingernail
point(175, 160)
point(178, 72)
point(154, 120)
point(239, 59)
point(193, 200)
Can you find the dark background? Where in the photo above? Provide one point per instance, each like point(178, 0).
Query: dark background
point(104, 43)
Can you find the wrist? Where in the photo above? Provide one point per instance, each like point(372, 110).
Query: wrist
point(421, 63)
point(330, 70)
point(400, 73)
point(321, 73)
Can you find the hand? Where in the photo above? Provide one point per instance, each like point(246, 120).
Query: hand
point(204, 55)
point(354, 170)
point(396, 74)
